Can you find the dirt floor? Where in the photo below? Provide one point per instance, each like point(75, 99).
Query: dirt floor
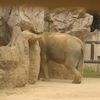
point(56, 89)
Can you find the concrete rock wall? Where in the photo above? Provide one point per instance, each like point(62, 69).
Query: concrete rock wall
point(73, 21)
point(20, 65)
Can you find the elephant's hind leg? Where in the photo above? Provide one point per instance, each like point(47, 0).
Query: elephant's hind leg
point(71, 64)
point(44, 67)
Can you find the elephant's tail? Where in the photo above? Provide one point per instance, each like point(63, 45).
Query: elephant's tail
point(81, 60)
point(82, 50)
point(82, 55)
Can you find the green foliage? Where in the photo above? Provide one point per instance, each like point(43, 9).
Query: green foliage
point(88, 72)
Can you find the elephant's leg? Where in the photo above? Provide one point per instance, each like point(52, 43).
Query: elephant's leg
point(71, 63)
point(40, 73)
point(45, 71)
point(44, 67)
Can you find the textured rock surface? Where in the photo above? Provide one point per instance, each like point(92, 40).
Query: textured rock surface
point(13, 22)
point(74, 21)
point(30, 18)
point(18, 63)
point(9, 60)
point(27, 60)
point(32, 55)
point(27, 18)
point(5, 29)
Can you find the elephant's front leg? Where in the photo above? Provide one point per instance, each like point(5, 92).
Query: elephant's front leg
point(44, 68)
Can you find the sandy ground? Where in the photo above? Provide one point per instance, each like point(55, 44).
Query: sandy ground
point(56, 89)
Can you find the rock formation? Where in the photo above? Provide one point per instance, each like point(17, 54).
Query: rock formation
point(20, 52)
point(73, 21)
point(20, 62)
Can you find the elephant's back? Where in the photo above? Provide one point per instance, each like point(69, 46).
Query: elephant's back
point(55, 38)
point(54, 43)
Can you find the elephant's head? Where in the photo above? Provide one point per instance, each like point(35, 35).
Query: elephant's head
point(32, 37)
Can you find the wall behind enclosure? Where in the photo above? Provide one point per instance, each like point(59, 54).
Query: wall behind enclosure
point(74, 21)
point(14, 59)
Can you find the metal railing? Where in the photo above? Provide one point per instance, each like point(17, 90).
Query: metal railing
point(92, 51)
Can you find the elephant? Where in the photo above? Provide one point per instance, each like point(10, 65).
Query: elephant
point(63, 49)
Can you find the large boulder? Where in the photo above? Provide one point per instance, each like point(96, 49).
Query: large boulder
point(27, 18)
point(32, 55)
point(73, 21)
point(13, 22)
point(20, 60)
point(9, 60)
